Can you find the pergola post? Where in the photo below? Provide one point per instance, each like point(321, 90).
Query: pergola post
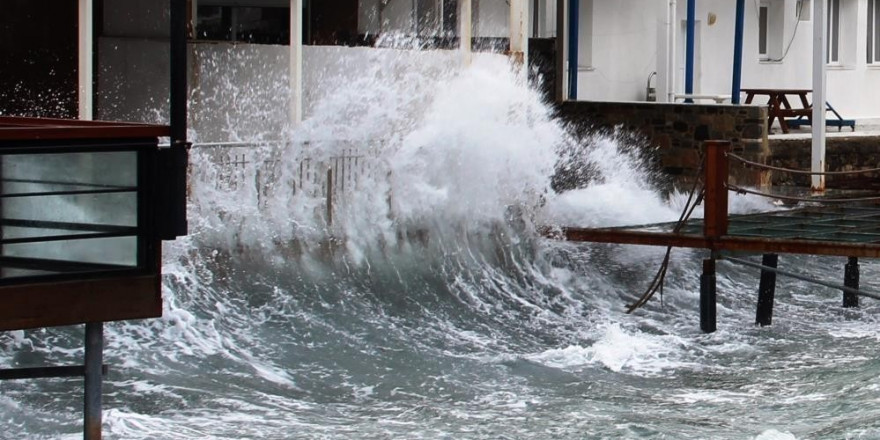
point(85, 67)
point(465, 30)
point(817, 163)
point(296, 43)
point(519, 32)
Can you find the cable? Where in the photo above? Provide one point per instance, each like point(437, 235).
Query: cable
point(793, 171)
point(741, 190)
point(846, 289)
point(658, 281)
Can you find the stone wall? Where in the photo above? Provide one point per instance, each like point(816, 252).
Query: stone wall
point(677, 132)
point(841, 154)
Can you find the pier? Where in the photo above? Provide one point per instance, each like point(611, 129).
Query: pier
point(846, 227)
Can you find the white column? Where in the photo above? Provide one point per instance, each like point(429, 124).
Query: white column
point(465, 30)
point(819, 47)
point(519, 31)
point(673, 61)
point(85, 89)
point(296, 43)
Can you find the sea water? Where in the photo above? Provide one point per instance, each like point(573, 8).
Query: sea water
point(430, 306)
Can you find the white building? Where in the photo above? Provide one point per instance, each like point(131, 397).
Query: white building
point(622, 42)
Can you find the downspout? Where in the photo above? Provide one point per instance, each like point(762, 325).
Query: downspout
point(670, 75)
point(689, 54)
point(737, 51)
point(573, 36)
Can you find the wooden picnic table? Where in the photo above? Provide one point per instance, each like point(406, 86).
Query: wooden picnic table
point(778, 106)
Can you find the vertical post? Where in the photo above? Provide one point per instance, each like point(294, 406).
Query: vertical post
point(85, 68)
point(766, 290)
point(94, 358)
point(737, 51)
point(671, 84)
point(573, 46)
point(175, 160)
point(689, 49)
point(708, 296)
point(329, 196)
point(519, 32)
point(817, 163)
point(560, 51)
point(851, 280)
point(716, 173)
point(465, 30)
point(295, 77)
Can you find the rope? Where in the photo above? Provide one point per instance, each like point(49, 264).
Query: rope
point(658, 281)
point(846, 289)
point(792, 171)
point(741, 190)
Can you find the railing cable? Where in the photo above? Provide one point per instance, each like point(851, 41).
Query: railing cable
point(741, 190)
point(805, 172)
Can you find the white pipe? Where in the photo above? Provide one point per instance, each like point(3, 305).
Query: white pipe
point(85, 89)
point(817, 164)
point(672, 63)
point(296, 68)
point(519, 32)
point(465, 30)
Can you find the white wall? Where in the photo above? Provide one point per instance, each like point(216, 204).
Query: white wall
point(624, 49)
point(627, 45)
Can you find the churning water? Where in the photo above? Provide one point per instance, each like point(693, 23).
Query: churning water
point(430, 307)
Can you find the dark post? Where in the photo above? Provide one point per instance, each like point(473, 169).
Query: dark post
point(94, 354)
point(766, 290)
point(716, 172)
point(560, 51)
point(851, 280)
point(174, 161)
point(708, 296)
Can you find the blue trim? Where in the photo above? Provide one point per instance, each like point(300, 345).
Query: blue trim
point(689, 55)
point(573, 35)
point(738, 51)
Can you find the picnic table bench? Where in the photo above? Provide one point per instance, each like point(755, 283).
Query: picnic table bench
point(778, 106)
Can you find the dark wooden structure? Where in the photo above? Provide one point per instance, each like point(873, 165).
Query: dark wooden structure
point(78, 238)
point(847, 229)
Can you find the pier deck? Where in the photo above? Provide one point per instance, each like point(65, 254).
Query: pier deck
point(848, 231)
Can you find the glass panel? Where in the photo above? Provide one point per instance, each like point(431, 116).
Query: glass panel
point(68, 212)
point(834, 15)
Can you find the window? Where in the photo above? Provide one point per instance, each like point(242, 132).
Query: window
point(763, 17)
point(772, 28)
point(833, 52)
point(873, 31)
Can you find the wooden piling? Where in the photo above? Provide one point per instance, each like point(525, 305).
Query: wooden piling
point(708, 297)
point(766, 290)
point(851, 280)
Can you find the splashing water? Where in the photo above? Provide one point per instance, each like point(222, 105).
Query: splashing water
point(428, 306)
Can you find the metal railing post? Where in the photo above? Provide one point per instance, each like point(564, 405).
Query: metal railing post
point(716, 175)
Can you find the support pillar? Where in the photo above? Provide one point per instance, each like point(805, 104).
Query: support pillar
point(851, 280)
point(94, 358)
point(708, 297)
point(689, 49)
point(465, 30)
point(817, 163)
point(739, 30)
point(519, 33)
point(296, 43)
point(573, 47)
point(766, 290)
point(85, 69)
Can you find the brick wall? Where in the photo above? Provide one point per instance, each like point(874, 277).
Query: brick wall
point(841, 154)
point(678, 130)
